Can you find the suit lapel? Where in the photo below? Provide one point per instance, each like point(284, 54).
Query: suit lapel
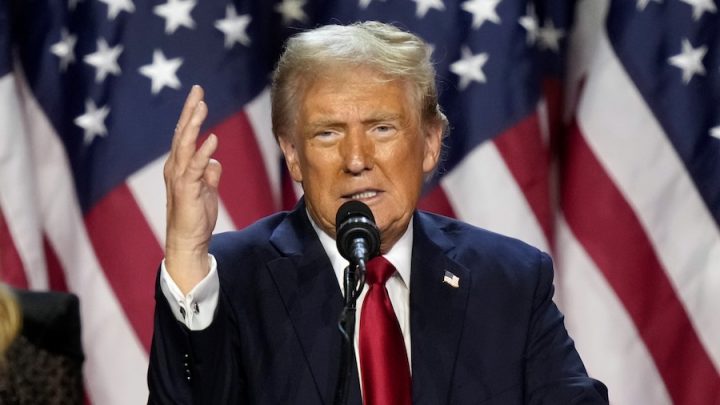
point(309, 289)
point(437, 313)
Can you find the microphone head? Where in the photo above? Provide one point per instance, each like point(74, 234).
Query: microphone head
point(352, 208)
point(354, 220)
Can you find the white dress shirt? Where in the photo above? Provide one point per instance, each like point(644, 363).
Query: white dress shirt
point(197, 308)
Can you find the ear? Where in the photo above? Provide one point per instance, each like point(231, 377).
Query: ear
point(433, 144)
point(290, 152)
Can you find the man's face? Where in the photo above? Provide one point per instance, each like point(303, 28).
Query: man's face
point(359, 136)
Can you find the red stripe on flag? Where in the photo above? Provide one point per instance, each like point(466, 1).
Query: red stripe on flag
point(552, 90)
point(612, 235)
point(129, 255)
point(11, 268)
point(56, 275)
point(528, 159)
point(436, 201)
point(289, 199)
point(245, 187)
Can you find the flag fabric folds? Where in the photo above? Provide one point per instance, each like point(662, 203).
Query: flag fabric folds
point(590, 129)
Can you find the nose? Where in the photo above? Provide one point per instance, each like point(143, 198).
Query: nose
point(357, 152)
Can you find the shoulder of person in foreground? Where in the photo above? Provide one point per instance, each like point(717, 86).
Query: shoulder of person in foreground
point(51, 319)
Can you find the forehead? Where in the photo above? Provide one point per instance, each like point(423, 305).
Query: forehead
point(352, 89)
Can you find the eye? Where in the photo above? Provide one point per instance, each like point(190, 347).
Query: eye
point(326, 135)
point(384, 129)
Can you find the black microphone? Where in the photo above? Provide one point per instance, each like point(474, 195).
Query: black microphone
point(357, 236)
point(358, 240)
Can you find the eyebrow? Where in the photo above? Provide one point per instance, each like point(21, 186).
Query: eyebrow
point(382, 117)
point(373, 119)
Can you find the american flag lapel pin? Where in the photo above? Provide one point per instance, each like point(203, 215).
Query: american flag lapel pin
point(451, 279)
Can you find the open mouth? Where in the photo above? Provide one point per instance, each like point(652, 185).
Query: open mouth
point(363, 195)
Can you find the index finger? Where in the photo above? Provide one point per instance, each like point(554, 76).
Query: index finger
point(185, 143)
point(194, 97)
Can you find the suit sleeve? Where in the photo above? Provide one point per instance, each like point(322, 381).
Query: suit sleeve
point(194, 367)
point(554, 371)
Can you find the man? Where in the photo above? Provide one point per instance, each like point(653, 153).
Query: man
point(472, 320)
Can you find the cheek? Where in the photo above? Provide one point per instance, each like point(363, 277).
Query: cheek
point(318, 170)
point(407, 177)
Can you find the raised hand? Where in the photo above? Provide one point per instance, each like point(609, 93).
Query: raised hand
point(191, 182)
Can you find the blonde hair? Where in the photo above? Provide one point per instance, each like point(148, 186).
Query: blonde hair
point(391, 51)
point(10, 319)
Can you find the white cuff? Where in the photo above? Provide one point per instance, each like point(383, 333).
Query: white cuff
point(196, 309)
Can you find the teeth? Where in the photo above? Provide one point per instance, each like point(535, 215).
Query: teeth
point(365, 194)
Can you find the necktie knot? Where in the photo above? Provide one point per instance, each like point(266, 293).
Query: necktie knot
point(378, 270)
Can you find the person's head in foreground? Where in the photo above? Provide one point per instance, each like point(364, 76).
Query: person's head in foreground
point(355, 110)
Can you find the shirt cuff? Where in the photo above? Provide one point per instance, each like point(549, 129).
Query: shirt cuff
point(196, 309)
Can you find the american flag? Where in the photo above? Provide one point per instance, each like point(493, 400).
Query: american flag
point(590, 129)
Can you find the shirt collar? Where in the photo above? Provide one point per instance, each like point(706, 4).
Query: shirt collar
point(399, 255)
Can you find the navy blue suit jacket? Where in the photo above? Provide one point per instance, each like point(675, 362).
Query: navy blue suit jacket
point(497, 339)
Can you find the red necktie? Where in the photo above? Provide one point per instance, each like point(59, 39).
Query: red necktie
point(383, 360)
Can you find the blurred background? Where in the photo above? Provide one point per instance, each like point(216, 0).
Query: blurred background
point(590, 129)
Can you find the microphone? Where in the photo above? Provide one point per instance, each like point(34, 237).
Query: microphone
point(357, 236)
point(358, 240)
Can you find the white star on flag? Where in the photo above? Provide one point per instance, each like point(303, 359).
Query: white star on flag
point(365, 3)
point(234, 27)
point(104, 60)
point(469, 67)
point(176, 14)
point(530, 23)
point(116, 6)
point(482, 10)
point(65, 49)
point(291, 10)
point(162, 72)
point(92, 121)
point(424, 5)
point(549, 37)
point(700, 7)
point(715, 132)
point(689, 60)
point(641, 4)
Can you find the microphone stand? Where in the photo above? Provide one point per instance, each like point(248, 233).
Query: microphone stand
point(353, 281)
